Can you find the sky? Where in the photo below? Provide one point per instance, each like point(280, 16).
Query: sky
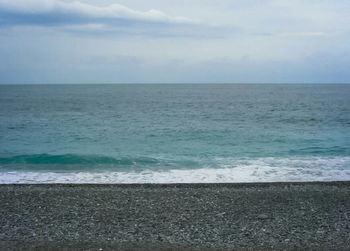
point(168, 41)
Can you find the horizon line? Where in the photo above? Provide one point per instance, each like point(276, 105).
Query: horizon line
point(185, 83)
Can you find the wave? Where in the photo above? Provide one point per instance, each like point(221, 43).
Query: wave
point(73, 159)
point(204, 175)
point(226, 170)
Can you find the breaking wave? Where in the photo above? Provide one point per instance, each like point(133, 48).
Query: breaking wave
point(225, 170)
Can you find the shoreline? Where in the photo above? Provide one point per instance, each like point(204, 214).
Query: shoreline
point(185, 185)
point(202, 216)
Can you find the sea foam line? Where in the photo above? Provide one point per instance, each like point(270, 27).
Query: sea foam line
point(258, 170)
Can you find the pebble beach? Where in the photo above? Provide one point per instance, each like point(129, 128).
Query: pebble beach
point(282, 216)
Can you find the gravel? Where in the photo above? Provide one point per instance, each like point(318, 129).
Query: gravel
point(282, 216)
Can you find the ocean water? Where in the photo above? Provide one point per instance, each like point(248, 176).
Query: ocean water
point(174, 133)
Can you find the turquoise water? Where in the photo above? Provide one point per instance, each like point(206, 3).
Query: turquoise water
point(174, 133)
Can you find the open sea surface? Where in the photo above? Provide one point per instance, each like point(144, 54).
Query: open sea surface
point(174, 133)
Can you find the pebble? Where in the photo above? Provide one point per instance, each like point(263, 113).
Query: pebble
point(263, 216)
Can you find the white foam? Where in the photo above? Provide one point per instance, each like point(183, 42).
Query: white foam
point(243, 170)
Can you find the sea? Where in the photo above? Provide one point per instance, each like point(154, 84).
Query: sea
point(174, 133)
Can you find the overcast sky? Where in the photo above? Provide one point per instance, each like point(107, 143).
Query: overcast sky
point(168, 41)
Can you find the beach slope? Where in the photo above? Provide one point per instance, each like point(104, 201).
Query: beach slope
point(175, 216)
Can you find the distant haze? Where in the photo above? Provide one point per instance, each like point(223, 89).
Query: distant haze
point(184, 41)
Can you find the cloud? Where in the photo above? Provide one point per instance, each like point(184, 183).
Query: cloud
point(57, 12)
point(234, 41)
point(302, 34)
point(80, 18)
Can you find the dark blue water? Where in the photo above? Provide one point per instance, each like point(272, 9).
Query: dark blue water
point(205, 132)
